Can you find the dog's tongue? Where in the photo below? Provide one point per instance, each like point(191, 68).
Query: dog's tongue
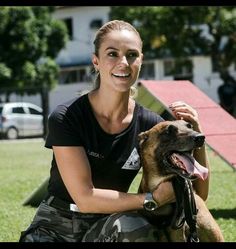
point(192, 166)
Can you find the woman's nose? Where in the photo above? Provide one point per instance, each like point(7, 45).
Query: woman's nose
point(124, 60)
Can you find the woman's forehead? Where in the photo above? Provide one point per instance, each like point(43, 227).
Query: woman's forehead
point(126, 38)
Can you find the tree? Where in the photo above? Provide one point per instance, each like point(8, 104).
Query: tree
point(30, 41)
point(184, 31)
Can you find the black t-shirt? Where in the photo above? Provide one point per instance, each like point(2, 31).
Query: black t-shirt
point(113, 158)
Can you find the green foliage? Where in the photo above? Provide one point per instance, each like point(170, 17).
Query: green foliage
point(28, 47)
point(180, 31)
point(5, 72)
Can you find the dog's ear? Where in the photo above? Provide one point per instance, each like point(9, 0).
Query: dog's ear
point(142, 137)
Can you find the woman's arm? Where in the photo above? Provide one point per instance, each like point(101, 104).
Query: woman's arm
point(202, 186)
point(184, 111)
point(75, 171)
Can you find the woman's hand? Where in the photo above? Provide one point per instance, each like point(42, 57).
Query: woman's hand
point(164, 193)
point(181, 110)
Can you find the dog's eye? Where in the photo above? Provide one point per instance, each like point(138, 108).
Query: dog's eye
point(189, 125)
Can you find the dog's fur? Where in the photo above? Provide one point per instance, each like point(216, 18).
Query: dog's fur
point(155, 144)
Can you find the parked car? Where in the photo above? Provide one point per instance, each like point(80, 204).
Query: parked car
point(20, 119)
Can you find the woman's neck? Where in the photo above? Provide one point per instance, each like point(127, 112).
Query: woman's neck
point(110, 106)
point(113, 112)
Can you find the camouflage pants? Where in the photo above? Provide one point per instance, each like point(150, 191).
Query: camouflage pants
point(53, 225)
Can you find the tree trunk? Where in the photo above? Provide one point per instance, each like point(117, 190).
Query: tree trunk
point(45, 107)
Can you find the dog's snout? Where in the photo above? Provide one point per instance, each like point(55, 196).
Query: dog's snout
point(199, 140)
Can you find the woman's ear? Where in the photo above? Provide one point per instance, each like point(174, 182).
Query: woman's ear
point(142, 58)
point(141, 61)
point(95, 62)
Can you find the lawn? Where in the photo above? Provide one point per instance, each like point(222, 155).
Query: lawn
point(25, 165)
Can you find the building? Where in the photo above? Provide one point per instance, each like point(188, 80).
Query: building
point(75, 59)
point(76, 73)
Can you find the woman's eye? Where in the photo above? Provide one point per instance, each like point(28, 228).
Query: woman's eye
point(112, 54)
point(132, 55)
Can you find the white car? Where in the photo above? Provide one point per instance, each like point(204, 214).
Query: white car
point(19, 119)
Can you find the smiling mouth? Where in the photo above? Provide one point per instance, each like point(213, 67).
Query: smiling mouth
point(121, 75)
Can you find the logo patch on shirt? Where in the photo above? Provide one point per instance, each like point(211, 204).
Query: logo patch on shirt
point(94, 154)
point(133, 162)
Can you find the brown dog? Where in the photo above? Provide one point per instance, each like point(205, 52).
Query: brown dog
point(165, 152)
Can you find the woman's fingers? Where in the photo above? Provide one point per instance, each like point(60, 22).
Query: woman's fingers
point(182, 110)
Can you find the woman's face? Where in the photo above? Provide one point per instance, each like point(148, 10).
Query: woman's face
point(119, 60)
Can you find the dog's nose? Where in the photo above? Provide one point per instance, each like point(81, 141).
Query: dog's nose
point(199, 140)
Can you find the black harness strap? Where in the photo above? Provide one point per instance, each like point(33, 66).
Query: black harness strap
point(190, 211)
point(178, 217)
point(185, 207)
point(185, 202)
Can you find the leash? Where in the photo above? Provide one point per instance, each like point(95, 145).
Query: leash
point(185, 202)
point(185, 207)
point(190, 211)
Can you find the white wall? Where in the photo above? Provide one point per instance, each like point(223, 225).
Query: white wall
point(78, 50)
point(207, 81)
point(81, 47)
point(203, 77)
point(63, 93)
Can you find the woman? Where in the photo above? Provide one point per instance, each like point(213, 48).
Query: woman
point(95, 152)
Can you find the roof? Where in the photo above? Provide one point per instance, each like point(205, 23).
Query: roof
point(218, 126)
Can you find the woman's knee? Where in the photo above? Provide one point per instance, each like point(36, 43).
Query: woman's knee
point(129, 227)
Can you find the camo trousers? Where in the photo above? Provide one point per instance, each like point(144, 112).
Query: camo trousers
point(55, 225)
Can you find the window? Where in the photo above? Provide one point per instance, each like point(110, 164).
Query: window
point(214, 65)
point(147, 71)
point(70, 77)
point(68, 22)
point(181, 69)
point(73, 75)
point(34, 111)
point(18, 110)
point(169, 67)
point(81, 74)
point(96, 24)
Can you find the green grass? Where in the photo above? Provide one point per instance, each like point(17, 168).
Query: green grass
point(25, 165)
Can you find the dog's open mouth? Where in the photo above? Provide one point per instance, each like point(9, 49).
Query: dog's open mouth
point(186, 162)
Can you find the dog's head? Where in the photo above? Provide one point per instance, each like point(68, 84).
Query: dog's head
point(169, 146)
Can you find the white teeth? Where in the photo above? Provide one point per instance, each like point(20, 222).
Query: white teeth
point(121, 75)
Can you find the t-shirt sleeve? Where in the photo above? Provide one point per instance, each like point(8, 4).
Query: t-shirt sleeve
point(149, 119)
point(63, 130)
point(153, 119)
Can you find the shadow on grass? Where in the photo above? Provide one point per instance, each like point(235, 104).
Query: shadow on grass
point(224, 213)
